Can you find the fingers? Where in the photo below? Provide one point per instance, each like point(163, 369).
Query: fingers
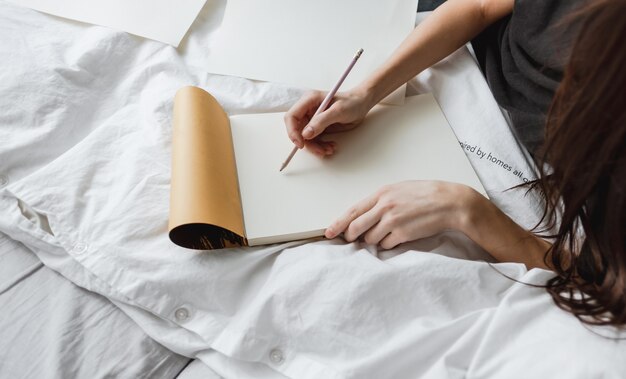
point(391, 240)
point(321, 148)
point(402, 212)
point(338, 128)
point(362, 224)
point(321, 121)
point(376, 234)
point(299, 115)
point(341, 224)
point(303, 125)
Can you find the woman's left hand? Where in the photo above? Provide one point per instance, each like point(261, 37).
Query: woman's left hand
point(404, 212)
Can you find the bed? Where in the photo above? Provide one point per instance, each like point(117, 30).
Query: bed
point(85, 131)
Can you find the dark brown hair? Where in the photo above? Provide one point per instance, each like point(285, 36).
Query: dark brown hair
point(582, 166)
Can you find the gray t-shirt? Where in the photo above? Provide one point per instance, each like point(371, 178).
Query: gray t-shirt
point(523, 57)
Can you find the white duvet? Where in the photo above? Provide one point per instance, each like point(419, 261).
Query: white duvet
point(85, 123)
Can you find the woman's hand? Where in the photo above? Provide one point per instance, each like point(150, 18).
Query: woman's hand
point(346, 111)
point(406, 211)
point(412, 210)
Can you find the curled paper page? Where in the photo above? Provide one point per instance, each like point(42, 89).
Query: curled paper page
point(205, 206)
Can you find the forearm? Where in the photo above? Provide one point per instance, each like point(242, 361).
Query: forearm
point(449, 27)
point(500, 236)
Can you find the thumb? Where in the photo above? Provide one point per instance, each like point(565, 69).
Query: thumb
point(320, 122)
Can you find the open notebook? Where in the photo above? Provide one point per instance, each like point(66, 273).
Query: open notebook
point(226, 188)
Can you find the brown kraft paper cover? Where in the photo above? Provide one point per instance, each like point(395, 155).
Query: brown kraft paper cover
point(205, 206)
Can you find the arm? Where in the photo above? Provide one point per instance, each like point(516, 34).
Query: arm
point(445, 30)
point(413, 210)
point(494, 231)
point(450, 26)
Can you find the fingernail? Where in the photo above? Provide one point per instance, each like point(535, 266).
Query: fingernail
point(329, 233)
point(307, 132)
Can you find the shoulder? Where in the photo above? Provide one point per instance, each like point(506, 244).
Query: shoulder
point(542, 30)
point(545, 10)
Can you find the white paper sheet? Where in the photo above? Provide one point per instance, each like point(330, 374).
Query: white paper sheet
point(308, 43)
point(162, 20)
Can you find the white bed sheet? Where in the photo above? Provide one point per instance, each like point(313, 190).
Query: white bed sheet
point(85, 115)
point(50, 328)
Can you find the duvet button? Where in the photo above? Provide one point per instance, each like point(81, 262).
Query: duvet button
point(80, 248)
point(181, 314)
point(276, 356)
point(4, 180)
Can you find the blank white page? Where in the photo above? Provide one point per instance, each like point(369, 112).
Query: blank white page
point(162, 20)
point(393, 144)
point(308, 43)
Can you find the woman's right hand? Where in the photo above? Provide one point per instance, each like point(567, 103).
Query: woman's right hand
point(346, 111)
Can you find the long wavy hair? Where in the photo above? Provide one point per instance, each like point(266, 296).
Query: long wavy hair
point(582, 166)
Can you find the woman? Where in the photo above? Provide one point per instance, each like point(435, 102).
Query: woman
point(584, 186)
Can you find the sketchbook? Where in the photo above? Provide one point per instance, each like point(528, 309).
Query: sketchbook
point(227, 190)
